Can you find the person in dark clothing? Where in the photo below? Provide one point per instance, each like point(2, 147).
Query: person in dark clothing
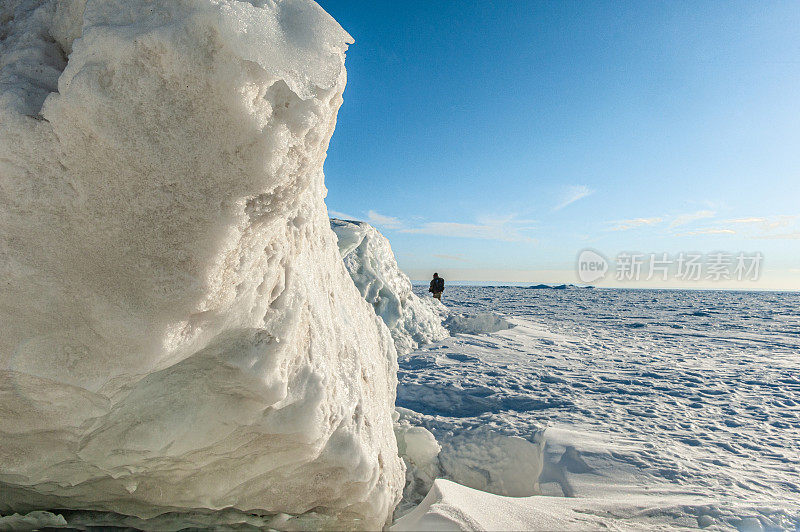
point(437, 286)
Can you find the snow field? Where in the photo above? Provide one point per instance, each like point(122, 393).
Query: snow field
point(689, 420)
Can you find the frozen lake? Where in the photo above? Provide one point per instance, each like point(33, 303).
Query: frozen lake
point(689, 398)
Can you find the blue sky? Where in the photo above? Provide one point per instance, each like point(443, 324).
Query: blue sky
point(495, 141)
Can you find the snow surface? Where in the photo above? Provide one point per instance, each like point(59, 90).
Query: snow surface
point(370, 261)
point(451, 506)
point(177, 329)
point(690, 418)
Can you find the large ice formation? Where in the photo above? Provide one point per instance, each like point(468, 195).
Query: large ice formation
point(370, 260)
point(177, 329)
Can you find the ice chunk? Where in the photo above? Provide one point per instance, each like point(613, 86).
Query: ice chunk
point(177, 329)
point(370, 261)
point(485, 459)
point(480, 454)
point(478, 323)
point(420, 452)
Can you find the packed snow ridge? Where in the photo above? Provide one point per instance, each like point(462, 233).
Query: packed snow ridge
point(177, 328)
point(369, 259)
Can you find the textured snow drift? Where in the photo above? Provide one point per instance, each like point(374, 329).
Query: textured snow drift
point(177, 330)
point(370, 261)
point(451, 506)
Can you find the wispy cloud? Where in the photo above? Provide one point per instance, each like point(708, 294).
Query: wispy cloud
point(674, 221)
point(451, 257)
point(495, 231)
point(381, 220)
point(341, 215)
point(684, 219)
point(751, 220)
point(573, 194)
point(760, 227)
point(709, 231)
point(624, 225)
point(766, 224)
point(505, 229)
point(795, 235)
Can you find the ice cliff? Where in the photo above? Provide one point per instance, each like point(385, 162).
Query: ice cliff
point(177, 328)
point(370, 261)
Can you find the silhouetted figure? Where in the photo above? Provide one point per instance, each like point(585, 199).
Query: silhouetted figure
point(437, 286)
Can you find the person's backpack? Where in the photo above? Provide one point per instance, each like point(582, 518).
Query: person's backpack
point(438, 285)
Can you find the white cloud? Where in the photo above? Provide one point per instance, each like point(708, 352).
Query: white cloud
point(500, 232)
point(781, 236)
point(341, 215)
point(451, 257)
point(389, 222)
point(708, 232)
point(751, 220)
point(573, 194)
point(506, 229)
point(684, 219)
point(767, 224)
point(764, 227)
point(624, 225)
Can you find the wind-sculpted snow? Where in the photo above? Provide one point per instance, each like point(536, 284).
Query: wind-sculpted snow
point(368, 257)
point(177, 329)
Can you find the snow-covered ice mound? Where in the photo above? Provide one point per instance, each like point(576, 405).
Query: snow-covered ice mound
point(369, 258)
point(488, 460)
point(478, 453)
point(177, 329)
point(477, 323)
point(420, 452)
